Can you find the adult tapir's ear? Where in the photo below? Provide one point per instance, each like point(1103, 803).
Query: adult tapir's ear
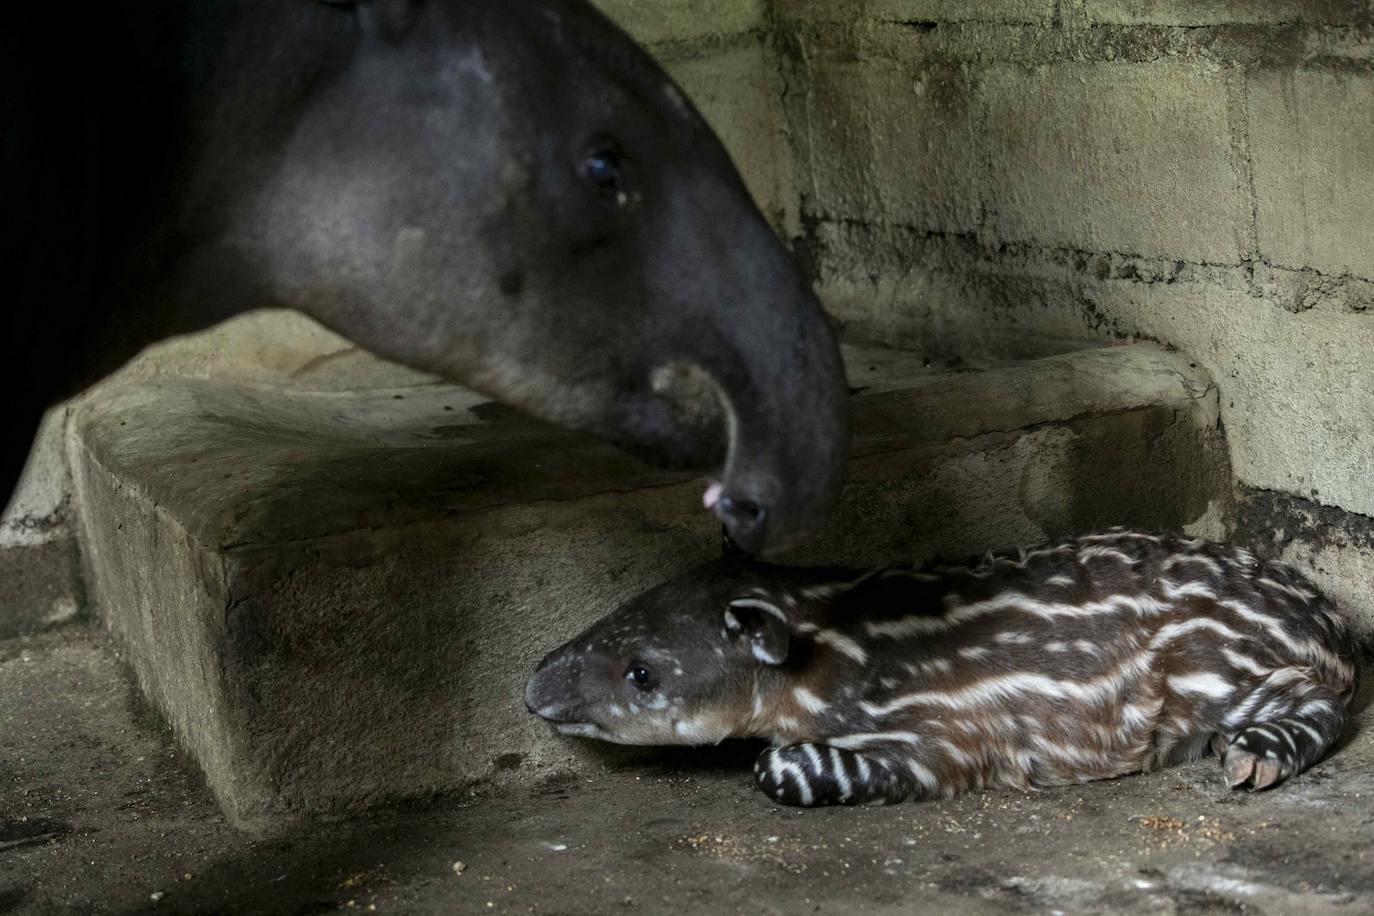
point(763, 624)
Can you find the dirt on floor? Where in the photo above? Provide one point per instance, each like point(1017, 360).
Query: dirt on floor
point(100, 813)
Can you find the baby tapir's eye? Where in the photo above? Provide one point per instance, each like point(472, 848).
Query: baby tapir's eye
point(641, 677)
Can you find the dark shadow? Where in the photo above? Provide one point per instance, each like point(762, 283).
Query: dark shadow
point(11, 898)
point(307, 870)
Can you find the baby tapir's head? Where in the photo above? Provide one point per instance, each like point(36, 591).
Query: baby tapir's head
point(683, 663)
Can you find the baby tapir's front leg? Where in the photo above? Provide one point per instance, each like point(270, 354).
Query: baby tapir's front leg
point(811, 775)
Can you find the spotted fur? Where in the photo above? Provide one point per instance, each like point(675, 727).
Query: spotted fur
point(1090, 658)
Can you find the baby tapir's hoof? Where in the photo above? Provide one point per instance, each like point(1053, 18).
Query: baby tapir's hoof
point(1245, 770)
point(1262, 756)
point(811, 775)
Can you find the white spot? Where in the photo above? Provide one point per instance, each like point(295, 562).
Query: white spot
point(1174, 631)
point(803, 785)
point(813, 756)
point(578, 729)
point(1244, 662)
point(841, 775)
point(1176, 591)
point(855, 742)
point(809, 701)
point(1211, 565)
point(759, 604)
point(843, 644)
point(692, 730)
point(764, 654)
point(1205, 683)
point(923, 775)
point(1106, 553)
point(912, 625)
point(1300, 593)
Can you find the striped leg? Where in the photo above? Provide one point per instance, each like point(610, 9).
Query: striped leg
point(1269, 750)
point(811, 775)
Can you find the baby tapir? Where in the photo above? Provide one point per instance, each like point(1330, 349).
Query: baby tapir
point(1086, 659)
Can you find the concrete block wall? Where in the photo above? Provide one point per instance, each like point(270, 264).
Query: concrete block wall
point(1023, 177)
point(717, 49)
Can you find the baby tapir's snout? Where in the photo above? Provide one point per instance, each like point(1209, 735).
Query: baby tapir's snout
point(677, 665)
point(551, 692)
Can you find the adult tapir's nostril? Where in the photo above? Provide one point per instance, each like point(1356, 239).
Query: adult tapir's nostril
point(745, 520)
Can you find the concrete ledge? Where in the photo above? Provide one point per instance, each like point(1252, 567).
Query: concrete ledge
point(335, 598)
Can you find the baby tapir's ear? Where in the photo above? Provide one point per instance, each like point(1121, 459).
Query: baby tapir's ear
point(763, 624)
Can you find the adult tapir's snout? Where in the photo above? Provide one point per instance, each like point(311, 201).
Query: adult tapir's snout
point(774, 366)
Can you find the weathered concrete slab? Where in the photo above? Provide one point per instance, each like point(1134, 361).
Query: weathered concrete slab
point(335, 598)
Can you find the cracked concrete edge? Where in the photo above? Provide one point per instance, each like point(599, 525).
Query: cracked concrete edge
point(1333, 547)
point(172, 655)
point(199, 473)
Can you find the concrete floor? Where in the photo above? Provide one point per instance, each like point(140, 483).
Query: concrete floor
point(99, 813)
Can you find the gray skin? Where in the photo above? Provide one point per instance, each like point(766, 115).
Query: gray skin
point(510, 195)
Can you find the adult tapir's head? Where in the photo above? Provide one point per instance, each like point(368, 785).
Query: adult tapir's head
point(515, 196)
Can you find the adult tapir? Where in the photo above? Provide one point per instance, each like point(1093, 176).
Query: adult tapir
point(507, 193)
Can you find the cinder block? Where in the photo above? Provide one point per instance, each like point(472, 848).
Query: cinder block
point(1216, 12)
point(892, 142)
point(1312, 132)
point(961, 10)
point(335, 599)
point(1132, 158)
point(659, 21)
point(920, 12)
point(738, 92)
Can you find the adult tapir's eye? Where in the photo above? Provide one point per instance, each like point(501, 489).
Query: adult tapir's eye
point(641, 677)
point(604, 170)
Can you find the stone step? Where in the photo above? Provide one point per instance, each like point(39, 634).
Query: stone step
point(335, 598)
